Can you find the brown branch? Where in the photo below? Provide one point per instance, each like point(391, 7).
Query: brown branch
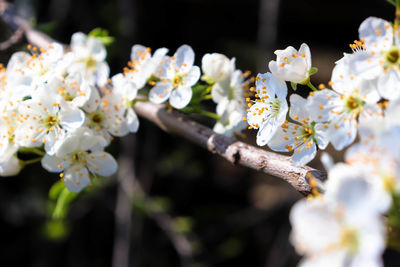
point(238, 153)
point(15, 22)
point(173, 122)
point(14, 39)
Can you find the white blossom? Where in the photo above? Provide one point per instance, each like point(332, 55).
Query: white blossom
point(177, 75)
point(292, 65)
point(79, 158)
point(268, 112)
point(301, 137)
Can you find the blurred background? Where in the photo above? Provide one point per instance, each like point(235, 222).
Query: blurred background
point(189, 207)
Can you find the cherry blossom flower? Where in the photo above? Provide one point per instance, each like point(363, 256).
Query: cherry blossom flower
point(380, 60)
point(292, 65)
point(177, 75)
point(268, 112)
point(79, 158)
point(301, 137)
point(351, 100)
point(88, 56)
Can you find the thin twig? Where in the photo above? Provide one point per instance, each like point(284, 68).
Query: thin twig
point(14, 39)
point(173, 122)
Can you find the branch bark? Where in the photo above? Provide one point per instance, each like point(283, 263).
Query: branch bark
point(173, 122)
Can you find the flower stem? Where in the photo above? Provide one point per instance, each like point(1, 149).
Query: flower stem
point(34, 150)
point(207, 97)
point(31, 161)
point(312, 87)
point(209, 114)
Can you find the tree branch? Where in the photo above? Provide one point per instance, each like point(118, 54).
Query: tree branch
point(173, 122)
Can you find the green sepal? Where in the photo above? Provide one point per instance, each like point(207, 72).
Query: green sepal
point(294, 85)
point(313, 70)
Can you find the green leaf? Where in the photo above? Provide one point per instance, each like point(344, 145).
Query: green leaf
point(313, 70)
point(294, 85)
point(392, 2)
point(102, 36)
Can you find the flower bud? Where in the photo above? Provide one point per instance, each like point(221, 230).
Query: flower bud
point(216, 66)
point(292, 65)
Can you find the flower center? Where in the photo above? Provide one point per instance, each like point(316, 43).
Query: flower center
point(78, 157)
point(50, 121)
point(90, 62)
point(275, 107)
point(353, 104)
point(392, 56)
point(177, 80)
point(349, 239)
point(96, 118)
point(389, 183)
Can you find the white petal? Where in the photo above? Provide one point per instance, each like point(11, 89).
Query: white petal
point(192, 76)
point(51, 163)
point(297, 110)
point(102, 163)
point(267, 131)
point(71, 118)
point(75, 180)
point(389, 84)
point(184, 57)
point(160, 92)
point(377, 33)
point(132, 121)
point(303, 155)
point(180, 97)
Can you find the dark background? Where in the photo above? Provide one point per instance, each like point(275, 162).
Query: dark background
point(232, 216)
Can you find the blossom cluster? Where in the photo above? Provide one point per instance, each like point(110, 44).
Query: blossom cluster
point(345, 225)
point(60, 103)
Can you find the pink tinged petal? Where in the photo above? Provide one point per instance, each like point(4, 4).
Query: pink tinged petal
point(180, 97)
point(297, 111)
point(184, 57)
point(377, 33)
point(285, 137)
point(192, 76)
point(71, 118)
point(132, 121)
point(101, 163)
point(389, 84)
point(76, 178)
point(267, 131)
point(304, 153)
point(160, 92)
